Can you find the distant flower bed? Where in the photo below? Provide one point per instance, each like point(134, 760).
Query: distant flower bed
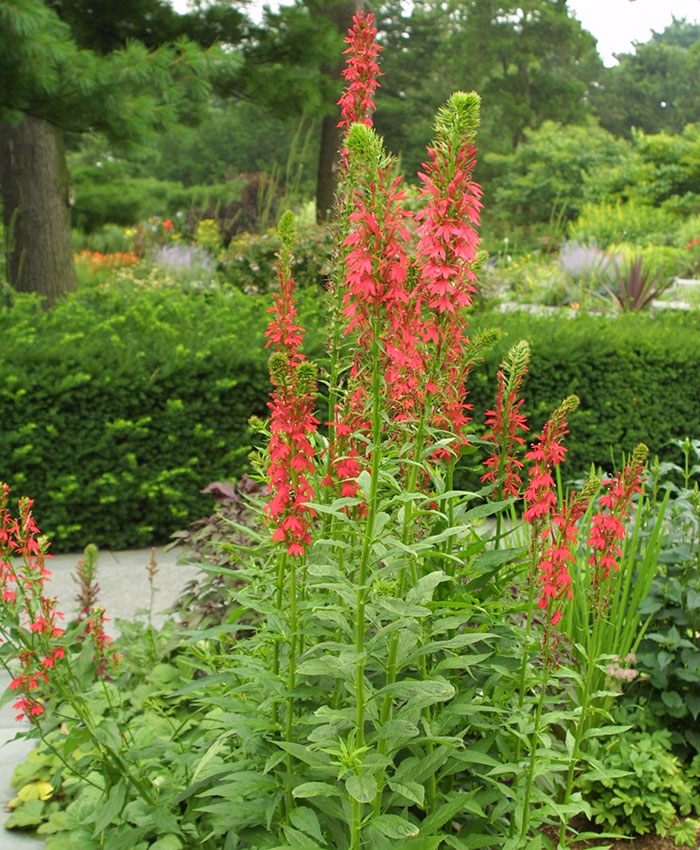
point(98, 260)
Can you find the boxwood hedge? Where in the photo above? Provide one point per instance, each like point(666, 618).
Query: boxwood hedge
point(119, 405)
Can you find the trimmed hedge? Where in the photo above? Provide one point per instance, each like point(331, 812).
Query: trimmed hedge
point(119, 406)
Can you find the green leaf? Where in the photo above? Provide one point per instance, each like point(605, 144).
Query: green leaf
point(306, 820)
point(422, 591)
point(487, 509)
point(692, 599)
point(107, 812)
point(394, 826)
point(495, 558)
point(167, 842)
point(315, 789)
point(693, 703)
point(298, 840)
point(364, 483)
point(361, 788)
point(164, 820)
point(30, 813)
point(211, 753)
point(602, 731)
point(412, 791)
point(673, 701)
point(419, 694)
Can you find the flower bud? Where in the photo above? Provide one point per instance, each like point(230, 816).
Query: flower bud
point(458, 120)
point(286, 230)
point(639, 456)
point(306, 378)
point(279, 368)
point(365, 147)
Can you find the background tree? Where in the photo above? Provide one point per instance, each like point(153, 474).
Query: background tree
point(50, 84)
point(530, 60)
point(655, 87)
point(293, 64)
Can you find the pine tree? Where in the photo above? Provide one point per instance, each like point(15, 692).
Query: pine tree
point(49, 84)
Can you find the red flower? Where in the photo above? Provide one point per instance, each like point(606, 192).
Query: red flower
point(505, 422)
point(361, 71)
point(167, 224)
point(23, 604)
point(446, 251)
point(607, 528)
point(547, 453)
point(292, 422)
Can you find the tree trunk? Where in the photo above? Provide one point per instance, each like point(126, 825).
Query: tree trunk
point(341, 13)
point(35, 187)
point(326, 176)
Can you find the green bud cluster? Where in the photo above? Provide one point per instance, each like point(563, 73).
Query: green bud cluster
point(567, 407)
point(366, 148)
point(592, 487)
point(458, 119)
point(279, 368)
point(640, 455)
point(287, 230)
point(306, 377)
point(515, 363)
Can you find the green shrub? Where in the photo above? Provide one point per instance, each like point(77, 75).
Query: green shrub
point(642, 786)
point(249, 261)
point(607, 224)
point(107, 240)
point(548, 170)
point(121, 404)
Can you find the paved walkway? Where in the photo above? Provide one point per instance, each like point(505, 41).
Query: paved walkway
point(124, 589)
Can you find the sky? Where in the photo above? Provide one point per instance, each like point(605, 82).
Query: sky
point(618, 23)
point(615, 23)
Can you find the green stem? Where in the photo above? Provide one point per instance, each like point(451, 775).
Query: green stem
point(534, 554)
point(525, 823)
point(281, 564)
point(362, 577)
point(291, 673)
point(581, 725)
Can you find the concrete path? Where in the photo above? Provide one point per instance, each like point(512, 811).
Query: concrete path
point(124, 590)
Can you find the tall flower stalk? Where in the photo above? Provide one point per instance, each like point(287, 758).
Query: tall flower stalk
point(292, 426)
point(606, 533)
point(446, 260)
point(506, 422)
point(357, 105)
point(540, 501)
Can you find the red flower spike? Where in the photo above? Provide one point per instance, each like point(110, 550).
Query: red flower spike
point(505, 422)
point(446, 251)
point(607, 527)
point(559, 539)
point(292, 422)
point(547, 453)
point(361, 72)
